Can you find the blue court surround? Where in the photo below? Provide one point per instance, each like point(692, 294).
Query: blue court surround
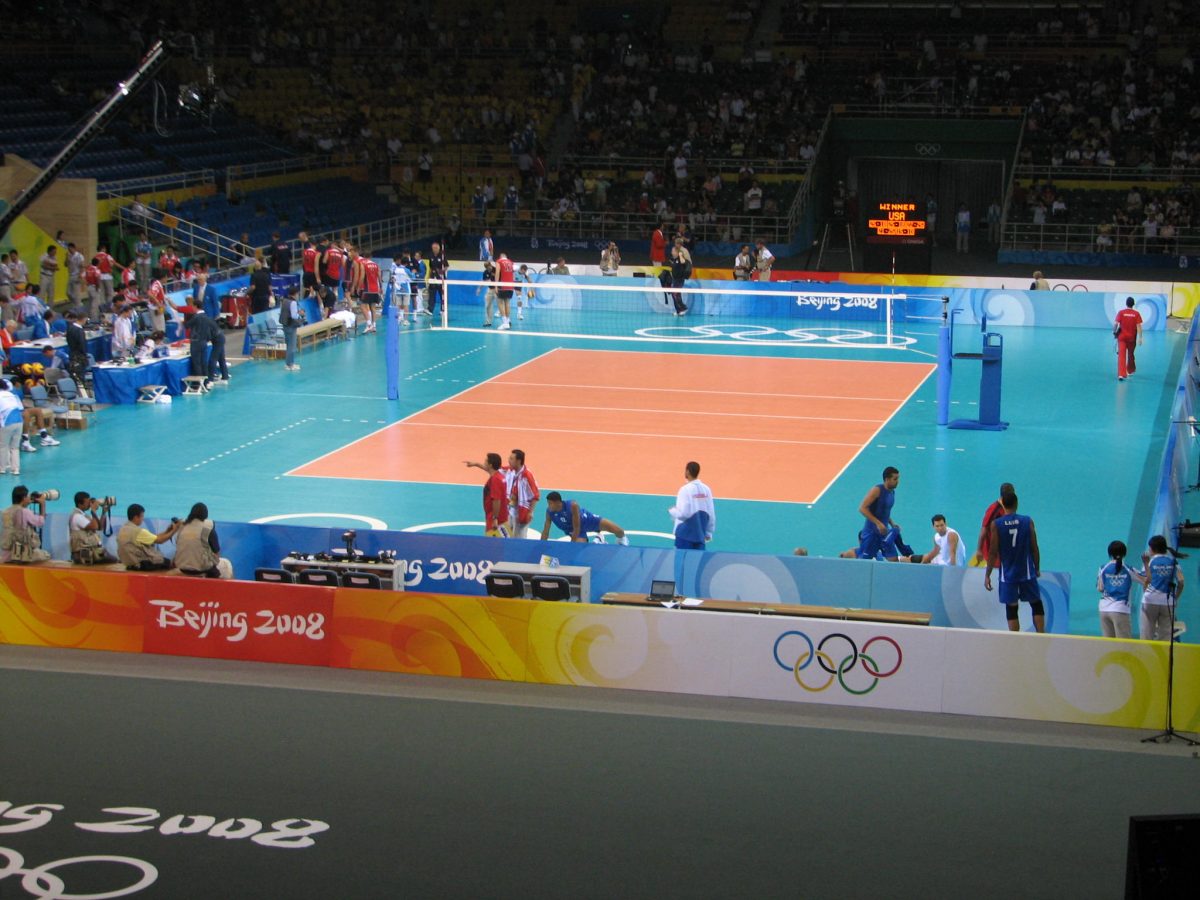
point(1082, 449)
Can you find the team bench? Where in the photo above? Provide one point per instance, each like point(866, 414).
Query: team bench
point(315, 332)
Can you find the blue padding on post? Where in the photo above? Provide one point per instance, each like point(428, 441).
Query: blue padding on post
point(945, 372)
point(393, 355)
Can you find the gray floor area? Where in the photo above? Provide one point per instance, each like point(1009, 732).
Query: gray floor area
point(442, 788)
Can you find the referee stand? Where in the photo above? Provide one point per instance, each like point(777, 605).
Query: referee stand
point(991, 359)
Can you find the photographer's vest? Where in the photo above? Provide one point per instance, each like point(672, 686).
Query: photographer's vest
point(83, 540)
point(192, 552)
point(133, 554)
point(17, 539)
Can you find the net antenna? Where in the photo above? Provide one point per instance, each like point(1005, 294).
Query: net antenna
point(785, 314)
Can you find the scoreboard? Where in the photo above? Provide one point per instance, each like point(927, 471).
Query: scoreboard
point(898, 238)
point(897, 220)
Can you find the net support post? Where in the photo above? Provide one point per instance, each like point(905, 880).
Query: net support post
point(393, 354)
point(945, 372)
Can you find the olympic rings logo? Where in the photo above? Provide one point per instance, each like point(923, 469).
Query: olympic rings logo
point(928, 149)
point(765, 334)
point(41, 882)
point(854, 660)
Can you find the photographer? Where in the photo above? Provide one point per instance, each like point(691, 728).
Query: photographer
point(88, 524)
point(19, 539)
point(197, 550)
point(136, 544)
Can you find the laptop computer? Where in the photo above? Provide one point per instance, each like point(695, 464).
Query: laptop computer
point(662, 592)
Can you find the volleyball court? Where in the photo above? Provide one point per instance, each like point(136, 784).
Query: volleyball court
point(765, 428)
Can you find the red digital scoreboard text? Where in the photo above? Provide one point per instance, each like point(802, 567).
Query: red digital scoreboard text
point(897, 220)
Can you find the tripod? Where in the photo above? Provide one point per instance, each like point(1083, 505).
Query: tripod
point(1169, 733)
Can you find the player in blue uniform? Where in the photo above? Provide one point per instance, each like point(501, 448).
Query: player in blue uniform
point(879, 532)
point(1014, 550)
point(576, 522)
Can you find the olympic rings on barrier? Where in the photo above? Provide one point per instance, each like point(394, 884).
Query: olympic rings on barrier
point(764, 334)
point(928, 149)
point(837, 671)
point(39, 882)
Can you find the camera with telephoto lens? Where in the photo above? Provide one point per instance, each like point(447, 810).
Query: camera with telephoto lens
point(108, 502)
point(43, 496)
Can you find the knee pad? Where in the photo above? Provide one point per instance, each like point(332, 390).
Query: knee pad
point(1038, 609)
point(1010, 612)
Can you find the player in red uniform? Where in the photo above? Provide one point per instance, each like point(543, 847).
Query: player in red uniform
point(495, 496)
point(1128, 330)
point(504, 277)
point(995, 511)
point(308, 263)
point(332, 260)
point(364, 284)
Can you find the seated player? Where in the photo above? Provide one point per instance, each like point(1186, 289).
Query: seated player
point(948, 548)
point(577, 523)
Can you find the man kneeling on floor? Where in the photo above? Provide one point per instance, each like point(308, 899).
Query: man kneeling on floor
point(137, 545)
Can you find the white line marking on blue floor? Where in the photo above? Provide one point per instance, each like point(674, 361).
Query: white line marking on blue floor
point(445, 362)
point(264, 437)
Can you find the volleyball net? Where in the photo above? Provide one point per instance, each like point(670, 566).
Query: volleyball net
point(711, 312)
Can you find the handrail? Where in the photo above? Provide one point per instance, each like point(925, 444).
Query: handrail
point(923, 111)
point(761, 164)
point(1107, 173)
point(800, 201)
point(248, 171)
point(150, 184)
point(227, 254)
point(1012, 178)
point(1082, 238)
point(590, 225)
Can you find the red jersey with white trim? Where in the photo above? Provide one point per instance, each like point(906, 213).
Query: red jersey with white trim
point(333, 262)
point(309, 259)
point(168, 262)
point(127, 277)
point(91, 275)
point(155, 292)
point(1128, 321)
point(105, 262)
point(370, 270)
point(504, 268)
point(493, 490)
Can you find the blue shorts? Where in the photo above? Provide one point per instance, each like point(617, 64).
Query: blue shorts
point(1013, 592)
point(871, 543)
point(589, 524)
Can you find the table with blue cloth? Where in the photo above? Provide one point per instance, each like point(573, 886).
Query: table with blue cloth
point(119, 383)
point(99, 345)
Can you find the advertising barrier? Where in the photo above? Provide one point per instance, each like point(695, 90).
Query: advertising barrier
point(843, 663)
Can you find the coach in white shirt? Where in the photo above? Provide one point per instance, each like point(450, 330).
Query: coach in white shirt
point(694, 514)
point(123, 341)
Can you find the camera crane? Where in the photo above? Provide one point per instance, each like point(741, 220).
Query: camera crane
point(116, 102)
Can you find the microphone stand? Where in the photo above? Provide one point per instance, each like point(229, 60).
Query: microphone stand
point(1169, 733)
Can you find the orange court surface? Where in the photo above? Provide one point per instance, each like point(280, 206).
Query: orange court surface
point(626, 422)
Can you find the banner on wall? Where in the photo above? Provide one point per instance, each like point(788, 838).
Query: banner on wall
point(971, 672)
point(237, 620)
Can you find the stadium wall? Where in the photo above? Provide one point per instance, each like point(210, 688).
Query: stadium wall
point(1093, 681)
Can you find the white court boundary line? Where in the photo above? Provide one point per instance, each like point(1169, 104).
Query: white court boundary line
point(631, 409)
point(638, 434)
point(697, 391)
point(697, 341)
point(875, 434)
point(375, 524)
point(900, 404)
point(409, 416)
